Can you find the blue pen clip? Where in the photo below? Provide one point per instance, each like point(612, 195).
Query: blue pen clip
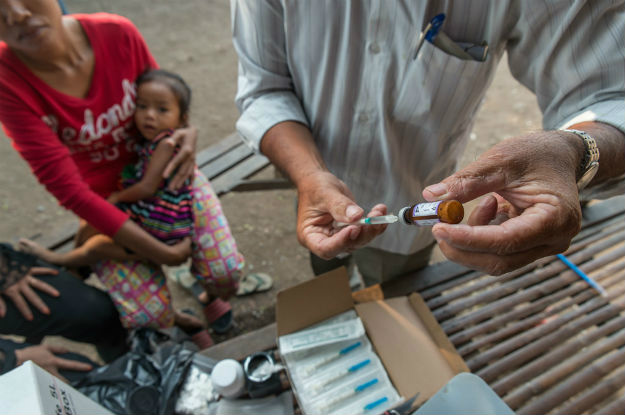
point(430, 32)
point(436, 24)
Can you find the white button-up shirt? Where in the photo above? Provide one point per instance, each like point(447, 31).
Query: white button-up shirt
point(388, 125)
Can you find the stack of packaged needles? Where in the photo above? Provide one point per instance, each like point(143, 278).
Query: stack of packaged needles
point(334, 369)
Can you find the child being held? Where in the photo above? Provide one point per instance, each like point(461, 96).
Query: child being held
point(162, 105)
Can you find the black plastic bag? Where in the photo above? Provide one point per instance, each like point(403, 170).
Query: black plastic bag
point(146, 380)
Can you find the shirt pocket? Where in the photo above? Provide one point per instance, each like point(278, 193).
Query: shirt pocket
point(437, 85)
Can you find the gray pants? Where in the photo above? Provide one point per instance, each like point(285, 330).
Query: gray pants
point(375, 265)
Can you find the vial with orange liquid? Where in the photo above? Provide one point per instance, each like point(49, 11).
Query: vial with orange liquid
point(431, 213)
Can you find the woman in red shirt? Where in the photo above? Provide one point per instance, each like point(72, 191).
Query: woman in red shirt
point(66, 101)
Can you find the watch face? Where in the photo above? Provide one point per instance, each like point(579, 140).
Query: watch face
point(588, 175)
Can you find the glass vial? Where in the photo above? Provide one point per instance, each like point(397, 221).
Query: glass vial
point(428, 214)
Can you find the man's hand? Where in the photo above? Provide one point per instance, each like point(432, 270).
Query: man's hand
point(184, 161)
point(23, 290)
point(323, 199)
point(533, 210)
point(45, 356)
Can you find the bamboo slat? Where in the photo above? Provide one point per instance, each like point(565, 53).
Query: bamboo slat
point(543, 382)
point(533, 320)
point(564, 331)
point(617, 406)
point(575, 384)
point(485, 312)
point(594, 395)
point(540, 336)
point(488, 280)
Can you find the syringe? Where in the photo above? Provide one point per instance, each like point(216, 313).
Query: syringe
point(331, 358)
point(347, 394)
point(374, 220)
point(340, 374)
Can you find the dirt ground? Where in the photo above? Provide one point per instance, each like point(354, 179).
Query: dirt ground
point(192, 37)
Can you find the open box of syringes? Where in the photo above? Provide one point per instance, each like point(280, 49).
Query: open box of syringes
point(346, 358)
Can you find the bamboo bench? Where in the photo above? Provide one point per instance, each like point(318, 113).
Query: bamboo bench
point(228, 164)
point(540, 336)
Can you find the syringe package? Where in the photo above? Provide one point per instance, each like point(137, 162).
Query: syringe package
point(334, 369)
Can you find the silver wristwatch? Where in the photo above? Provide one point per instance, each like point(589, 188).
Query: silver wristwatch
point(590, 162)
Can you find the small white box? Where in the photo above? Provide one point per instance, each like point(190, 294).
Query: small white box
point(28, 389)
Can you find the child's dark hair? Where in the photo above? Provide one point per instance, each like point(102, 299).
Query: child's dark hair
point(178, 86)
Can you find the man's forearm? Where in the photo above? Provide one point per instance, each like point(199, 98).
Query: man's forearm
point(290, 146)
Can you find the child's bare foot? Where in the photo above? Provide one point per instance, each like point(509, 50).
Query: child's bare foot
point(33, 248)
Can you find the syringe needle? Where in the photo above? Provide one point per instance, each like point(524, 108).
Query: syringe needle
point(375, 220)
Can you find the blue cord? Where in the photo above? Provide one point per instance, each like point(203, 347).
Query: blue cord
point(583, 275)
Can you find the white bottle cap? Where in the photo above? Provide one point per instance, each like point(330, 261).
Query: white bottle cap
point(228, 378)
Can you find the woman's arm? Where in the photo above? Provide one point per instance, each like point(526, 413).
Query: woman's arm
point(54, 167)
point(152, 178)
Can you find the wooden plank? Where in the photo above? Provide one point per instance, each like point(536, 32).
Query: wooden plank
point(241, 346)
point(422, 279)
point(214, 151)
point(262, 184)
point(226, 161)
point(57, 239)
point(225, 182)
point(603, 210)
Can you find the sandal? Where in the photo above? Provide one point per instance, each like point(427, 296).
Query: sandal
point(199, 335)
point(218, 313)
point(254, 283)
point(202, 339)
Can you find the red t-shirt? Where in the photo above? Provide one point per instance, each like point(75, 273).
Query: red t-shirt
point(77, 147)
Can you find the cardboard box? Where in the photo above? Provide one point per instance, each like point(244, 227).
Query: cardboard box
point(413, 348)
point(28, 389)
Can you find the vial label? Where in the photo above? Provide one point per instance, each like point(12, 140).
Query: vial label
point(426, 209)
point(426, 222)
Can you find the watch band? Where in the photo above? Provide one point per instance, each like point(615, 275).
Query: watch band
point(590, 162)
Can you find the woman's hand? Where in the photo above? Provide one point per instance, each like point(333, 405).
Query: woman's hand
point(178, 253)
point(22, 291)
point(45, 356)
point(184, 161)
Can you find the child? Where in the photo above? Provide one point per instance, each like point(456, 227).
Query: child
point(162, 105)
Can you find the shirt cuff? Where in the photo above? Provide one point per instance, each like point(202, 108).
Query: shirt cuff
point(608, 112)
point(265, 112)
point(103, 216)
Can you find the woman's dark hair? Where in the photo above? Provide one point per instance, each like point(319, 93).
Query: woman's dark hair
point(178, 86)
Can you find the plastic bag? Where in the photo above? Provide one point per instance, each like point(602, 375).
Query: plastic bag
point(146, 380)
